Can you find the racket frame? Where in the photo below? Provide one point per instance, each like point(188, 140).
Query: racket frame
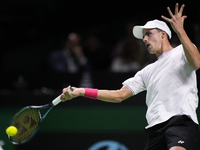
point(50, 105)
point(55, 102)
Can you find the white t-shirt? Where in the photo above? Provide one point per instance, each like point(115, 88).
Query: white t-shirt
point(171, 87)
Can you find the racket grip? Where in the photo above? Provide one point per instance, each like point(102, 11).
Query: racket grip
point(57, 100)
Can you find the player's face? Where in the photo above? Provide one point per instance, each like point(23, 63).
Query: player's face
point(152, 39)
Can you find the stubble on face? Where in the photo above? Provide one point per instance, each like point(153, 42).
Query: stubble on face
point(152, 40)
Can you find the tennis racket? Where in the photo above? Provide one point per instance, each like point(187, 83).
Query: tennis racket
point(28, 120)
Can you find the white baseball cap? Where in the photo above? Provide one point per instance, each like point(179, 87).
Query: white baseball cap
point(137, 30)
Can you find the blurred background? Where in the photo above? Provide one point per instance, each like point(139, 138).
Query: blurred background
point(46, 45)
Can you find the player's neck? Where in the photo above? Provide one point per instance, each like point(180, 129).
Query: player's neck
point(166, 46)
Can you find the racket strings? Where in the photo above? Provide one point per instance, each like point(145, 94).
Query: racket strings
point(26, 122)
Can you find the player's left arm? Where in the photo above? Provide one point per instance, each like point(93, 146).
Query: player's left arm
point(113, 96)
point(177, 21)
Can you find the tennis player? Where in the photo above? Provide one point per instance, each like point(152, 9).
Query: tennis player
point(170, 83)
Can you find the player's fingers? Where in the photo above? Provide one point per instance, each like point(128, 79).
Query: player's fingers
point(66, 94)
point(181, 9)
point(166, 19)
point(183, 18)
point(64, 90)
point(73, 87)
point(65, 97)
point(170, 12)
point(176, 9)
point(62, 97)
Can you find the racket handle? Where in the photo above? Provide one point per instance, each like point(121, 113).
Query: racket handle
point(57, 100)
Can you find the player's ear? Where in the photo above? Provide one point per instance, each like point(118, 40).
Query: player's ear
point(163, 34)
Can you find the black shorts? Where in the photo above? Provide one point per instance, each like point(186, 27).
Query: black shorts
point(177, 131)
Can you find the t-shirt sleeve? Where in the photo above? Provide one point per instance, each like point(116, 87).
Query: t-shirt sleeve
point(136, 83)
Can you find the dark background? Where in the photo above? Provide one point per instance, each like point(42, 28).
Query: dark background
point(31, 22)
point(31, 29)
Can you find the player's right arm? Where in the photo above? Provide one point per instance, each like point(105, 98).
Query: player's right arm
point(177, 20)
point(114, 96)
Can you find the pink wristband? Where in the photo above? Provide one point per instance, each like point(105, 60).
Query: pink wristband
point(91, 93)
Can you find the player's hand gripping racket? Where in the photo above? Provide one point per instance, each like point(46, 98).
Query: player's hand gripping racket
point(28, 120)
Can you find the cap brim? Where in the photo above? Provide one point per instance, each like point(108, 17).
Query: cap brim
point(137, 32)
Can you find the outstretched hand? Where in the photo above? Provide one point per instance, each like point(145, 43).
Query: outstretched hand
point(71, 92)
point(177, 20)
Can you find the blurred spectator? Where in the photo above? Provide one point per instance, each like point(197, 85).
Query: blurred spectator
point(128, 59)
point(127, 56)
point(97, 51)
point(71, 58)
